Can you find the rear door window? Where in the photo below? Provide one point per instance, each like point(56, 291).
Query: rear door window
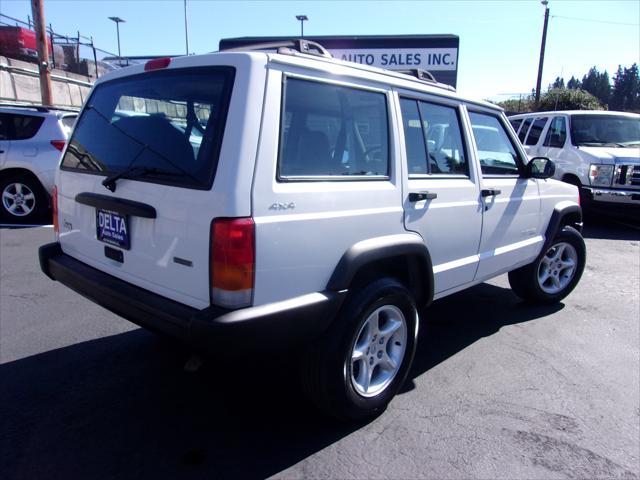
point(4, 123)
point(432, 138)
point(332, 131)
point(516, 123)
point(168, 124)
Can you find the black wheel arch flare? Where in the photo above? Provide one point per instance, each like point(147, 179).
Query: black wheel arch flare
point(569, 215)
point(372, 254)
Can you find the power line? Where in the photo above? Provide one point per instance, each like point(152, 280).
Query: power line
point(596, 21)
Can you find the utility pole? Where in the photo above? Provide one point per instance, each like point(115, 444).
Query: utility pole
point(542, 46)
point(37, 10)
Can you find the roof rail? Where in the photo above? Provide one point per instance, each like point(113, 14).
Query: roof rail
point(39, 108)
point(287, 47)
point(424, 75)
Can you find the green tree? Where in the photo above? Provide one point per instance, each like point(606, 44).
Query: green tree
point(573, 83)
point(626, 89)
point(568, 99)
point(558, 83)
point(597, 84)
point(519, 105)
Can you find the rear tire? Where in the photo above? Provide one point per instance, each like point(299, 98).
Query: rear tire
point(359, 365)
point(22, 200)
point(555, 273)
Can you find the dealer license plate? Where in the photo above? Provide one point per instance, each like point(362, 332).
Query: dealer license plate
point(113, 228)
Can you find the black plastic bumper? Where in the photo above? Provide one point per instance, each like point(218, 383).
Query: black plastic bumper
point(275, 325)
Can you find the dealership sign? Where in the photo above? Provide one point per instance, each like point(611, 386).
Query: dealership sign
point(424, 58)
point(437, 54)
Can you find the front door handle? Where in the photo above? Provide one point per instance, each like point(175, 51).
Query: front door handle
point(417, 196)
point(490, 192)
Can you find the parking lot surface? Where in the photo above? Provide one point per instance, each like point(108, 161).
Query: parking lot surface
point(499, 389)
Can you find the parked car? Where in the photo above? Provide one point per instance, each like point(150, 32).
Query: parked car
point(31, 139)
point(327, 204)
point(597, 151)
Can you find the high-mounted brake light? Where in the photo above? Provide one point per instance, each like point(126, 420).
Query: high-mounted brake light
point(54, 205)
point(59, 144)
point(232, 261)
point(157, 64)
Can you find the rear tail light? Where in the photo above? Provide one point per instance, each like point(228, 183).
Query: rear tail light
point(232, 262)
point(59, 144)
point(54, 204)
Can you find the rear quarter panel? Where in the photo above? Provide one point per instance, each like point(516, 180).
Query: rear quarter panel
point(298, 248)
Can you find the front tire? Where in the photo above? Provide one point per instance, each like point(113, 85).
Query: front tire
point(359, 365)
point(555, 273)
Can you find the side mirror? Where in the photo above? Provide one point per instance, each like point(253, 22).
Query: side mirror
point(540, 167)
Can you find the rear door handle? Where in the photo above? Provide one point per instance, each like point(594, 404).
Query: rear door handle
point(490, 192)
point(417, 196)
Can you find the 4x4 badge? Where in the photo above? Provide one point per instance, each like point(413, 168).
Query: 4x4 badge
point(282, 206)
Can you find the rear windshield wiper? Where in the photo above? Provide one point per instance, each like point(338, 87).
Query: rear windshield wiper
point(133, 172)
point(144, 147)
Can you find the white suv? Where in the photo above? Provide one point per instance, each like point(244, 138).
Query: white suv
point(31, 139)
point(598, 151)
point(323, 205)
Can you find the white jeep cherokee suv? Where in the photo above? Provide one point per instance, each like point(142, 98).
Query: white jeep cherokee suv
point(290, 199)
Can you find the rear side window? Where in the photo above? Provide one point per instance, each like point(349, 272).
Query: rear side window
point(536, 130)
point(524, 129)
point(169, 124)
point(332, 131)
point(557, 133)
point(516, 123)
point(19, 127)
point(432, 139)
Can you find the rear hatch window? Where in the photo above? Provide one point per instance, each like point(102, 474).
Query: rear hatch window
point(162, 127)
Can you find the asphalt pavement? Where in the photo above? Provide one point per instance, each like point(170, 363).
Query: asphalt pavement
point(499, 389)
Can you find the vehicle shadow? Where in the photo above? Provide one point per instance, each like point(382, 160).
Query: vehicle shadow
point(603, 228)
point(457, 321)
point(38, 222)
point(123, 406)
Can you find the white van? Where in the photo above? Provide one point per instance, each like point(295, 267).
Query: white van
point(598, 151)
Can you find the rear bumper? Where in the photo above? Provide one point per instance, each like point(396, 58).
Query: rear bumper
point(272, 326)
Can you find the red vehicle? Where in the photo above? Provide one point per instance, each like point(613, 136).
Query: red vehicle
point(19, 42)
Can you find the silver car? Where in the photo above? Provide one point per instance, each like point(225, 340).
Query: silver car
point(31, 141)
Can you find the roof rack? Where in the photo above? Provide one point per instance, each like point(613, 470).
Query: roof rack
point(424, 75)
point(39, 108)
point(287, 47)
